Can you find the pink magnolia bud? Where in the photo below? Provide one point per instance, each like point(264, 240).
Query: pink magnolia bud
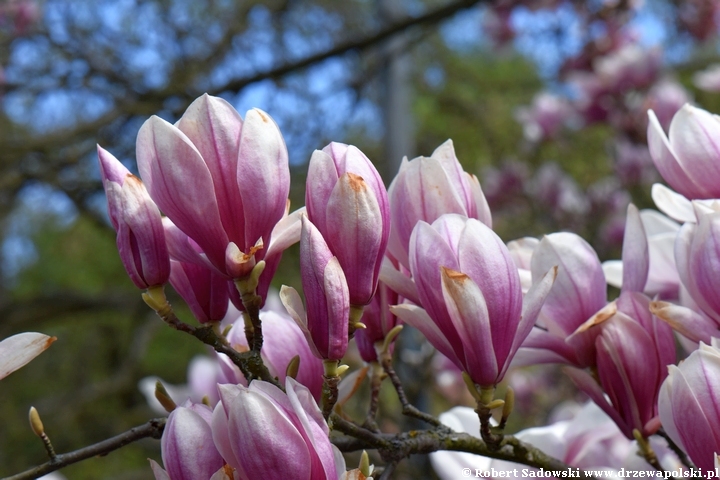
point(428, 187)
point(470, 288)
point(188, 451)
point(544, 119)
point(347, 201)
point(688, 157)
point(629, 67)
point(266, 433)
point(708, 79)
point(137, 221)
point(204, 290)
point(325, 324)
point(223, 181)
point(689, 406)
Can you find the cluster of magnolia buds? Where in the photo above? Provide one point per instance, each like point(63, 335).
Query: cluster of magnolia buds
point(422, 252)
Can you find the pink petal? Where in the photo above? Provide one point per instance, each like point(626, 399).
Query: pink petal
point(469, 314)
point(579, 290)
point(263, 176)
point(636, 258)
point(686, 321)
point(214, 127)
point(666, 160)
point(180, 183)
point(694, 138)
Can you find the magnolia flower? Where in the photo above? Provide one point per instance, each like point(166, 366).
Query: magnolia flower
point(137, 221)
point(325, 323)
point(347, 202)
point(632, 349)
point(426, 188)
point(223, 181)
point(578, 294)
point(469, 286)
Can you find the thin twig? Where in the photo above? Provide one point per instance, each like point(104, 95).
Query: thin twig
point(151, 429)
point(394, 447)
point(376, 377)
point(407, 408)
point(250, 363)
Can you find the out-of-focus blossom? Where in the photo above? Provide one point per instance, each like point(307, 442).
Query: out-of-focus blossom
point(708, 79)
point(283, 340)
point(137, 221)
point(545, 118)
point(631, 66)
point(558, 192)
point(18, 350)
point(346, 200)
point(469, 286)
point(426, 188)
point(324, 320)
point(689, 405)
point(506, 183)
point(221, 180)
point(203, 375)
point(497, 25)
point(578, 294)
point(188, 451)
point(378, 321)
point(264, 432)
point(589, 440)
point(204, 290)
point(699, 17)
point(687, 158)
point(633, 164)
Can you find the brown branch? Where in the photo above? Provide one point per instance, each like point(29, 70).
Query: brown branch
point(393, 448)
point(434, 16)
point(151, 429)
